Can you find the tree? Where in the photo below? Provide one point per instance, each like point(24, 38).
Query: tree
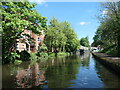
point(61, 36)
point(110, 27)
point(52, 35)
point(84, 41)
point(17, 17)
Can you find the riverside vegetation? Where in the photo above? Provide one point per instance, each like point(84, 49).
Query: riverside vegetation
point(108, 34)
point(17, 16)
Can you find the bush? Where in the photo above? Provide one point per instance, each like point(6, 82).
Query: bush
point(17, 62)
point(42, 54)
point(109, 50)
point(43, 48)
point(63, 54)
point(24, 56)
point(33, 56)
point(51, 54)
point(10, 57)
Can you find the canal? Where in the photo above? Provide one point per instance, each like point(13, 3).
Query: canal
point(76, 71)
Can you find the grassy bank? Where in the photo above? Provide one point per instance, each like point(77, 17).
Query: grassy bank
point(44, 55)
point(110, 50)
point(59, 54)
point(25, 56)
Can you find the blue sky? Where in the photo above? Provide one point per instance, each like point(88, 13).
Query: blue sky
point(81, 15)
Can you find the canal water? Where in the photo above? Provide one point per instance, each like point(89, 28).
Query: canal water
point(76, 71)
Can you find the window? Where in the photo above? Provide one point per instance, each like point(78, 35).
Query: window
point(38, 39)
point(17, 46)
point(22, 46)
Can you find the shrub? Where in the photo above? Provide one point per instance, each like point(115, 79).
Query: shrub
point(51, 54)
point(33, 56)
point(43, 48)
point(24, 56)
point(10, 57)
point(17, 62)
point(63, 54)
point(42, 54)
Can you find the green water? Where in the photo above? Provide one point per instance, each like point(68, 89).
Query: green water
point(64, 72)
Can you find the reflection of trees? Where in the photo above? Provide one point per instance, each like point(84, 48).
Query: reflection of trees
point(31, 77)
point(85, 58)
point(59, 72)
point(63, 71)
point(110, 79)
point(8, 72)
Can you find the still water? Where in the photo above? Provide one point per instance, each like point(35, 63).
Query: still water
point(77, 71)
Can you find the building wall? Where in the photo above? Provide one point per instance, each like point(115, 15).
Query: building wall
point(38, 39)
point(21, 46)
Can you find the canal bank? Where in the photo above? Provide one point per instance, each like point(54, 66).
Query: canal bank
point(109, 61)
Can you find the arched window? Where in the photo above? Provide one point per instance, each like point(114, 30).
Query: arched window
point(38, 38)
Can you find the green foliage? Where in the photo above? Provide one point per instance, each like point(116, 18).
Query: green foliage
point(84, 42)
point(42, 54)
point(24, 56)
point(110, 50)
point(16, 17)
point(17, 62)
point(59, 54)
point(60, 36)
point(10, 57)
point(97, 38)
point(33, 56)
point(43, 48)
point(63, 54)
point(51, 54)
point(108, 33)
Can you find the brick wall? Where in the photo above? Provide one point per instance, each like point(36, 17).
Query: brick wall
point(38, 39)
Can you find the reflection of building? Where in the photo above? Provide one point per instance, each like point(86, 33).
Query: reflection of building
point(24, 44)
point(31, 77)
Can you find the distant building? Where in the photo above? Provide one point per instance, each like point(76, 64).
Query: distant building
point(33, 46)
point(84, 48)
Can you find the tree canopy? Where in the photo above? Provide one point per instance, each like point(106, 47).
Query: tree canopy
point(20, 16)
point(108, 33)
point(17, 17)
point(61, 36)
point(84, 42)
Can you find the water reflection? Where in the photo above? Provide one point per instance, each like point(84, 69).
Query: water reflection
point(85, 58)
point(110, 79)
point(64, 72)
point(30, 77)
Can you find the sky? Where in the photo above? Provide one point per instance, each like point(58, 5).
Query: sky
point(81, 15)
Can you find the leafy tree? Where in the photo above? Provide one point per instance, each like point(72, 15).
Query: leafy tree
point(110, 27)
point(72, 43)
point(84, 41)
point(17, 17)
point(61, 36)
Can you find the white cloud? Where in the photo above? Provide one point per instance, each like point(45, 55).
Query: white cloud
point(37, 1)
point(82, 23)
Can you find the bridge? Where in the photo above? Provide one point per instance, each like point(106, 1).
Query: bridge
point(86, 49)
